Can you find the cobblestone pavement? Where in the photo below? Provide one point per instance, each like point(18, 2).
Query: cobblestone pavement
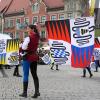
point(65, 84)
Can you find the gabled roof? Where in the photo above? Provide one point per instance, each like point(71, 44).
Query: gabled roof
point(11, 6)
point(54, 3)
point(4, 4)
point(18, 5)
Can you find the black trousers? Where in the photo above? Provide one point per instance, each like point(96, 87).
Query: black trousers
point(33, 69)
point(97, 64)
point(53, 66)
point(16, 70)
point(88, 69)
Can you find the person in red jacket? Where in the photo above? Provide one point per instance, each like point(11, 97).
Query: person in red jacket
point(30, 58)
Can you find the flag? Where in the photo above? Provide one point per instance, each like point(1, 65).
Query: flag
point(82, 41)
point(71, 41)
point(59, 40)
point(9, 51)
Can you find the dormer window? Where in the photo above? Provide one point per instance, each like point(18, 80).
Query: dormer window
point(35, 7)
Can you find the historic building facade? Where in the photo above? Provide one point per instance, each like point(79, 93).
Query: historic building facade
point(76, 8)
point(17, 14)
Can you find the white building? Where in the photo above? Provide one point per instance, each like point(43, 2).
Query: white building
point(76, 8)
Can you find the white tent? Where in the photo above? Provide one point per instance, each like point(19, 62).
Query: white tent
point(4, 36)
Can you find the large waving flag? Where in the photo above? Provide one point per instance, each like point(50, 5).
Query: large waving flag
point(71, 41)
point(82, 41)
point(59, 41)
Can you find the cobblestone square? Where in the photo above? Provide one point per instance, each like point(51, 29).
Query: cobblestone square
point(65, 84)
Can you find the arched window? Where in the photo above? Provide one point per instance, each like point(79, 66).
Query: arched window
point(35, 7)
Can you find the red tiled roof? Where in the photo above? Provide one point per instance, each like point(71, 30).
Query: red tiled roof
point(33, 1)
point(4, 3)
point(54, 3)
point(18, 5)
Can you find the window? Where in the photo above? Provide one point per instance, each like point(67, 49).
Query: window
point(71, 4)
point(68, 7)
point(17, 35)
point(43, 34)
point(11, 23)
point(35, 19)
point(70, 15)
point(61, 16)
point(18, 20)
point(43, 19)
point(35, 7)
point(18, 25)
point(26, 20)
point(53, 17)
point(74, 6)
point(6, 23)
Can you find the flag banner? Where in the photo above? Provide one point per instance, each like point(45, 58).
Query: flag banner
point(59, 41)
point(46, 59)
point(97, 42)
point(9, 51)
point(82, 41)
point(71, 41)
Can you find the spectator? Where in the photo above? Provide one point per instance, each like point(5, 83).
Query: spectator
point(53, 66)
point(16, 71)
point(96, 59)
point(89, 70)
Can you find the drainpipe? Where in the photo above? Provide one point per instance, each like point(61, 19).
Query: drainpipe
point(2, 22)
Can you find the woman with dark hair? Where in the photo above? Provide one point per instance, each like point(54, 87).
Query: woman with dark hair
point(30, 58)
